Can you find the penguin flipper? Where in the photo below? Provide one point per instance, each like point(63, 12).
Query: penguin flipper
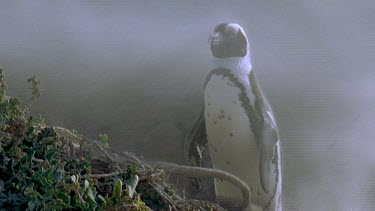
point(196, 142)
point(267, 166)
point(197, 154)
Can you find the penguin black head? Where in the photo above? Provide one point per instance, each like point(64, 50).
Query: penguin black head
point(228, 40)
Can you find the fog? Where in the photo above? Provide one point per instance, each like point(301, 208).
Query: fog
point(135, 70)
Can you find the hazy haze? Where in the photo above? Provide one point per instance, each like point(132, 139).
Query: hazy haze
point(135, 70)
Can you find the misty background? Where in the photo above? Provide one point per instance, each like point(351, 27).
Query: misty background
point(135, 70)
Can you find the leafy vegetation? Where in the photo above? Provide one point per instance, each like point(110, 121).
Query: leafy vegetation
point(52, 168)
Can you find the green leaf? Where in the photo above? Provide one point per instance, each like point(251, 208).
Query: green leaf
point(117, 188)
point(132, 170)
point(31, 205)
point(14, 102)
point(102, 199)
point(52, 154)
point(36, 120)
point(140, 203)
point(131, 184)
point(42, 180)
point(64, 197)
point(103, 138)
point(29, 190)
point(87, 184)
point(75, 179)
point(91, 195)
point(59, 174)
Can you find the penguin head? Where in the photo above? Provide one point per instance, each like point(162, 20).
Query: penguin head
point(228, 40)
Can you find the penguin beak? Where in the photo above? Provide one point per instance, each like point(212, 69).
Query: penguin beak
point(214, 39)
point(210, 38)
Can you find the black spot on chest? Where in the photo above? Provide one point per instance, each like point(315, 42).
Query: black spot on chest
point(253, 110)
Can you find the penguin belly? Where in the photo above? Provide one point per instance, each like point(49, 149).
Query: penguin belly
point(232, 144)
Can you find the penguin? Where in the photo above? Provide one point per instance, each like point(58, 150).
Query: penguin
point(237, 127)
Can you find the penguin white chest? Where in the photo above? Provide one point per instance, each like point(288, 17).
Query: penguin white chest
point(232, 144)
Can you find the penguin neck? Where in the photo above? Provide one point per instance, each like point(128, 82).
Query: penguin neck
point(239, 66)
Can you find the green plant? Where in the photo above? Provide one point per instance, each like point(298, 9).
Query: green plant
point(37, 174)
point(52, 168)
